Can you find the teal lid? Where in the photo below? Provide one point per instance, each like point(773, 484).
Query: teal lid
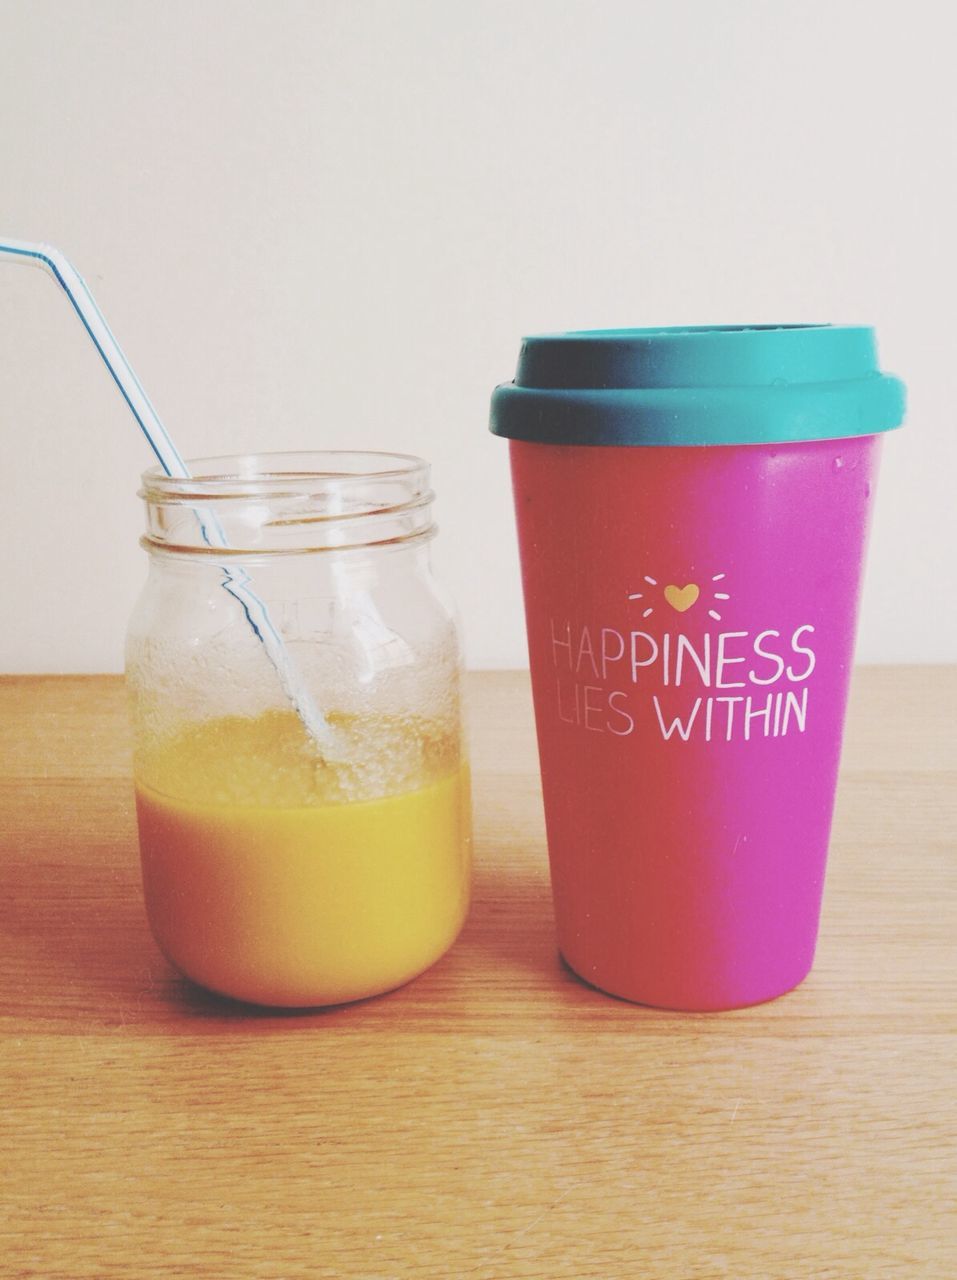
point(736, 384)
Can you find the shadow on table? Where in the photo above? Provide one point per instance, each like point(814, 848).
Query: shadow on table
point(78, 955)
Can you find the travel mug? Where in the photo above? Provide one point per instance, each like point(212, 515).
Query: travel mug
point(692, 509)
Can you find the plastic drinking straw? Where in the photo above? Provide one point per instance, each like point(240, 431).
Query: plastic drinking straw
point(235, 580)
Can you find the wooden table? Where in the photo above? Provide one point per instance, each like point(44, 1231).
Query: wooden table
point(496, 1118)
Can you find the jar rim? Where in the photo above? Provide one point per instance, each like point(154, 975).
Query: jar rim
point(288, 503)
point(281, 474)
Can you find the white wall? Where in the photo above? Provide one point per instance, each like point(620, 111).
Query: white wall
point(327, 224)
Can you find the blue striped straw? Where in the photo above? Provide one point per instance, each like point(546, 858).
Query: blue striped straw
point(235, 580)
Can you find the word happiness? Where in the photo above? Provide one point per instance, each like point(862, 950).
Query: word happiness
point(687, 677)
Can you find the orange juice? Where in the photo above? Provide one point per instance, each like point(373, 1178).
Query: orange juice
point(278, 878)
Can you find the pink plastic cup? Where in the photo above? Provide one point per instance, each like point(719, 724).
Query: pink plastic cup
point(691, 604)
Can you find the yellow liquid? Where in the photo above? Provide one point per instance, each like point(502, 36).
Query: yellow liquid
point(277, 879)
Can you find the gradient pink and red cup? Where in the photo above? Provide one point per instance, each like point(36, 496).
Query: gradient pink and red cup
point(692, 509)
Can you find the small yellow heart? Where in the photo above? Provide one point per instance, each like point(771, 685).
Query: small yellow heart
point(682, 598)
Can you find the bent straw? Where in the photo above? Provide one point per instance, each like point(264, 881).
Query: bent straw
point(235, 580)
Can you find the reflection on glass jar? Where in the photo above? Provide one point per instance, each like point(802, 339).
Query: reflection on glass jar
point(294, 674)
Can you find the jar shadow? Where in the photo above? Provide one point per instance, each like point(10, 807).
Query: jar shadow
point(79, 955)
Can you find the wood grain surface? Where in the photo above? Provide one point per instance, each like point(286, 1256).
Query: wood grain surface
point(496, 1118)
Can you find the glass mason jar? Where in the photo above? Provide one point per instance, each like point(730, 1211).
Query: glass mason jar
point(294, 676)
